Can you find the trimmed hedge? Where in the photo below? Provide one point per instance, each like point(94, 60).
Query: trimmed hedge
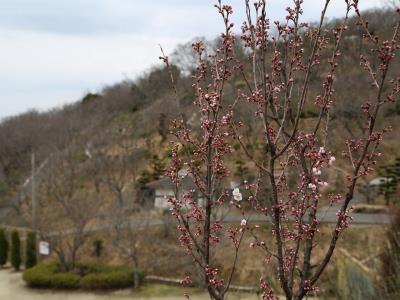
point(86, 275)
point(40, 275)
point(30, 251)
point(3, 248)
point(108, 280)
point(15, 250)
point(68, 280)
point(84, 268)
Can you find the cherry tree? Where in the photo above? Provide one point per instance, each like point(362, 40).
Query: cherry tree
point(283, 58)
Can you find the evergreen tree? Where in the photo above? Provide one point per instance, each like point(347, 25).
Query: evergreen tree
point(98, 247)
point(158, 166)
point(15, 250)
point(30, 251)
point(242, 171)
point(389, 185)
point(3, 248)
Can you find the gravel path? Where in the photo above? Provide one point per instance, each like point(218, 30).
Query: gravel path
point(12, 287)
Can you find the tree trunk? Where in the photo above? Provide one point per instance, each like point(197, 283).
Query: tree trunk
point(136, 278)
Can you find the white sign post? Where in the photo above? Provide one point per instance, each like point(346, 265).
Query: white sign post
point(44, 248)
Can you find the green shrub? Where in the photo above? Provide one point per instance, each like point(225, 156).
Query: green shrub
point(84, 268)
point(48, 275)
point(40, 275)
point(390, 261)
point(67, 280)
point(361, 286)
point(3, 248)
point(88, 275)
point(108, 280)
point(15, 250)
point(353, 283)
point(30, 251)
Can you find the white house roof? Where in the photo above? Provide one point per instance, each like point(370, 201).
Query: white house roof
point(380, 180)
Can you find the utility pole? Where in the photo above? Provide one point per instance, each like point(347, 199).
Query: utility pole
point(33, 192)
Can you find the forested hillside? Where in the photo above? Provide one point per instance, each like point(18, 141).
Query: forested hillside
point(139, 112)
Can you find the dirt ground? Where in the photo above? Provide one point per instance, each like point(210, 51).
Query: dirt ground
point(13, 287)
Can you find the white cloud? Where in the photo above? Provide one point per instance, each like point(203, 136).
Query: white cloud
point(31, 55)
point(37, 69)
point(53, 51)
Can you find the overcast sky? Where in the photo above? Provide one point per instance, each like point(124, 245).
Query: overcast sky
point(54, 51)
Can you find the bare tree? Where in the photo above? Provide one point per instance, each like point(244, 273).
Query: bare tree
point(124, 212)
point(68, 203)
point(185, 58)
point(130, 236)
point(392, 3)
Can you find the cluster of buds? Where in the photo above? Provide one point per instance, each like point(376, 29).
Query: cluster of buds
point(344, 220)
point(187, 281)
point(309, 287)
point(212, 274)
point(267, 293)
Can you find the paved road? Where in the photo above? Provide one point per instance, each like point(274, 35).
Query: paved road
point(326, 215)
